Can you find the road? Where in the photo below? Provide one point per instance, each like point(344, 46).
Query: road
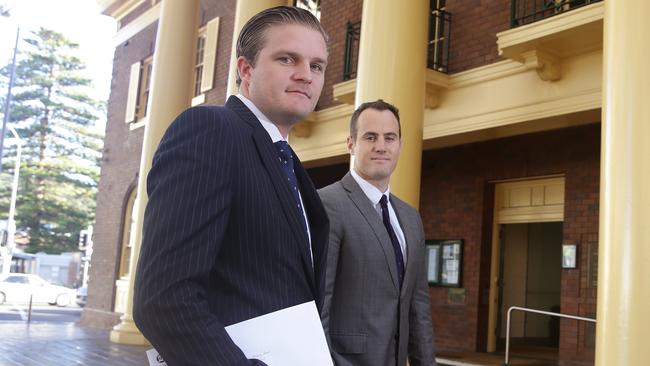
point(54, 337)
point(40, 313)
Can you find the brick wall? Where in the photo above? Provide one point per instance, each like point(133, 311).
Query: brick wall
point(334, 16)
point(474, 25)
point(135, 13)
point(456, 201)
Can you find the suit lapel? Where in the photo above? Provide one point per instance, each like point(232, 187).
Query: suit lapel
point(409, 237)
point(269, 157)
point(364, 205)
point(318, 225)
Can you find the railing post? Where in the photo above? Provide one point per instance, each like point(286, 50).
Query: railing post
point(507, 360)
point(439, 40)
point(447, 39)
point(549, 313)
point(29, 312)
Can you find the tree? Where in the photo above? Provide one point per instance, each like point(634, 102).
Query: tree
point(59, 124)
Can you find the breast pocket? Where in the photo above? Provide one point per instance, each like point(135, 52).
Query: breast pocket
point(351, 343)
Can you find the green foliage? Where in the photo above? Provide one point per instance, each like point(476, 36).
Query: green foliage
point(60, 125)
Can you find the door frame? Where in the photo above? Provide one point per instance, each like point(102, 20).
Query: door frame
point(519, 201)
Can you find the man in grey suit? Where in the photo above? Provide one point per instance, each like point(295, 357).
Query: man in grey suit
point(376, 309)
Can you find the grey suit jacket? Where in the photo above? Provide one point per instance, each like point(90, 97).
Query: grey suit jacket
point(367, 319)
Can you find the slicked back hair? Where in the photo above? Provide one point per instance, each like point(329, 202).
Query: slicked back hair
point(253, 35)
point(379, 105)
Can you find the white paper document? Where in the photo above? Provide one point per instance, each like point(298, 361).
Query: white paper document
point(155, 359)
point(289, 337)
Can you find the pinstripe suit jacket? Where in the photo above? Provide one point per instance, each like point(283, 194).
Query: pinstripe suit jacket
point(222, 239)
point(368, 319)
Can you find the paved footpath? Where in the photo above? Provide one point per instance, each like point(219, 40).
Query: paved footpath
point(54, 344)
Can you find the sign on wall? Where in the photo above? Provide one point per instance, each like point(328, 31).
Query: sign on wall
point(444, 262)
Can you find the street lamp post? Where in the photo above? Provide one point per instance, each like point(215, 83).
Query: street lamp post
point(11, 224)
point(8, 99)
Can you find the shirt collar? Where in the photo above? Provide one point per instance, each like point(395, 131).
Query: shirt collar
point(269, 126)
point(372, 192)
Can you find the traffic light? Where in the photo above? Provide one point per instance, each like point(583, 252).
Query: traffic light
point(4, 238)
point(83, 239)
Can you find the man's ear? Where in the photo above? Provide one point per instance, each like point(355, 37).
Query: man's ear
point(350, 143)
point(244, 68)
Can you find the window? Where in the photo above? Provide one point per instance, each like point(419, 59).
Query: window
point(143, 88)
point(16, 279)
point(127, 232)
point(205, 60)
point(138, 95)
point(198, 64)
point(140, 77)
point(312, 5)
point(37, 281)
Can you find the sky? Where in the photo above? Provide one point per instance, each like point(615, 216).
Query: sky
point(78, 20)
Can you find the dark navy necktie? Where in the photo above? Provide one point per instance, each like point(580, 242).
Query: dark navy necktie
point(399, 258)
point(286, 161)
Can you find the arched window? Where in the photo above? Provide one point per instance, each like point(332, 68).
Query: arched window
point(127, 232)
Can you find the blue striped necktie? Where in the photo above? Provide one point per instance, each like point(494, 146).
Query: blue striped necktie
point(286, 161)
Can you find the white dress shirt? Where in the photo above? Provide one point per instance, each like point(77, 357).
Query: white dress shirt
point(374, 195)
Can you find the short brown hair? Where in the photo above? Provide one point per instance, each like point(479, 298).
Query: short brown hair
point(379, 105)
point(252, 36)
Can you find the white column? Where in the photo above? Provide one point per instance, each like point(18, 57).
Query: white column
point(623, 327)
point(392, 67)
point(171, 93)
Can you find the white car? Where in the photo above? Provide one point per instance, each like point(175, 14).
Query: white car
point(17, 288)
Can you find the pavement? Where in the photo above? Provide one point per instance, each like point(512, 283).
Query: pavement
point(54, 337)
point(47, 343)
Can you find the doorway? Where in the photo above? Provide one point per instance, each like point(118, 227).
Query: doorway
point(525, 259)
point(530, 277)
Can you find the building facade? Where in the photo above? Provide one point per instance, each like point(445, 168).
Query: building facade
point(505, 149)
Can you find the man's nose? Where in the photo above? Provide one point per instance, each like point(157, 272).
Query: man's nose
point(380, 145)
point(302, 72)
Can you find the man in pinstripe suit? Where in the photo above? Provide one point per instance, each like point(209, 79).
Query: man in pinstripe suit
point(234, 228)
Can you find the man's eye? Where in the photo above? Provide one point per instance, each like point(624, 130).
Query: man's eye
point(286, 60)
point(317, 67)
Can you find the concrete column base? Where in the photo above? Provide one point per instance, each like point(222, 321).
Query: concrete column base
point(127, 333)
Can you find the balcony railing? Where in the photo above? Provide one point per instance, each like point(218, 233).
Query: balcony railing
point(529, 11)
point(438, 48)
point(351, 55)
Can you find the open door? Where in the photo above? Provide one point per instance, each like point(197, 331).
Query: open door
point(530, 277)
point(526, 247)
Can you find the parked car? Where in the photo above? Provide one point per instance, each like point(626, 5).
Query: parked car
point(17, 287)
point(82, 295)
